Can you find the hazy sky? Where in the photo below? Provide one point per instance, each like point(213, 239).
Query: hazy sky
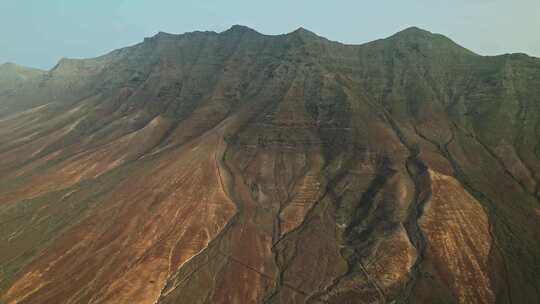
point(38, 33)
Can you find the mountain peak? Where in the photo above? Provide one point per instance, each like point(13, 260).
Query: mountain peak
point(421, 38)
point(10, 66)
point(240, 28)
point(161, 33)
point(304, 32)
point(164, 35)
point(414, 32)
point(301, 29)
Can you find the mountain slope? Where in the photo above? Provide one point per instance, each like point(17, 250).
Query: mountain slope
point(237, 167)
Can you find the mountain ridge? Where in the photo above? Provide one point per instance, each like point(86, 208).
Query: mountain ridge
point(242, 28)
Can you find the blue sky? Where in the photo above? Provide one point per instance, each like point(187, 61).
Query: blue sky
point(38, 33)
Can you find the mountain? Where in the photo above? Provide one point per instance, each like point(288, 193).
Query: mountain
point(12, 75)
point(15, 78)
point(238, 167)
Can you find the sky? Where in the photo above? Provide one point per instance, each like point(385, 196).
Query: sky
point(38, 33)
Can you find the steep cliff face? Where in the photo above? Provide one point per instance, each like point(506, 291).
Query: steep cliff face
point(244, 168)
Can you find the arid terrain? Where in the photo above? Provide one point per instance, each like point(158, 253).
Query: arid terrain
point(238, 167)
